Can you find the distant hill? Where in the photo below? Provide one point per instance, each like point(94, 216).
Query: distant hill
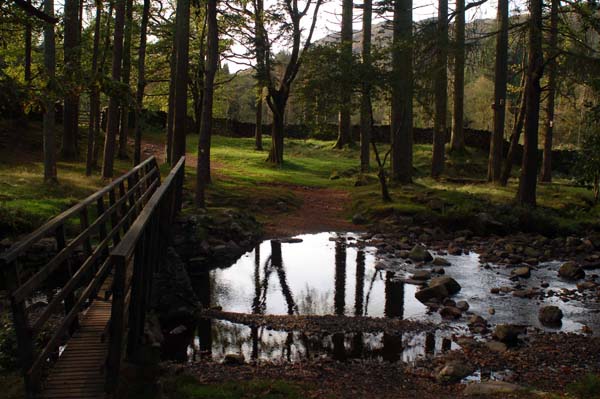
point(382, 32)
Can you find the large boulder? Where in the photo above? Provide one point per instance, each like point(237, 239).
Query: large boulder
point(439, 288)
point(550, 315)
point(449, 283)
point(571, 271)
point(428, 293)
point(420, 254)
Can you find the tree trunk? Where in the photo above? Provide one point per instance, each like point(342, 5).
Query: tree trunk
point(71, 64)
point(277, 102)
point(514, 140)
point(441, 92)
point(499, 106)
point(171, 100)
point(28, 50)
point(344, 127)
point(50, 174)
point(402, 93)
point(528, 179)
point(182, 37)
point(141, 85)
point(212, 60)
point(112, 119)
point(365, 103)
point(457, 140)
point(546, 175)
point(258, 127)
point(126, 78)
point(94, 125)
point(102, 68)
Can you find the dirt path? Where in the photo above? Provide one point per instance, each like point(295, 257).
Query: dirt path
point(321, 209)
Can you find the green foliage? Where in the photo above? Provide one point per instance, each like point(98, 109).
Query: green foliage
point(588, 163)
point(188, 387)
point(586, 388)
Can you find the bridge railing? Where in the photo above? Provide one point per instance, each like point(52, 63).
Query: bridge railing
point(82, 237)
point(135, 260)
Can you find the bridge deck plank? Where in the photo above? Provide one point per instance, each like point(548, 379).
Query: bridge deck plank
point(79, 371)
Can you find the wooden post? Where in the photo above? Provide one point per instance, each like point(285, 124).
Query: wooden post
point(124, 207)
point(135, 304)
point(115, 216)
point(61, 243)
point(22, 328)
point(87, 244)
point(116, 324)
point(100, 208)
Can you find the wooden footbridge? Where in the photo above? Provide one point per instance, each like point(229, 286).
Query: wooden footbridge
point(98, 280)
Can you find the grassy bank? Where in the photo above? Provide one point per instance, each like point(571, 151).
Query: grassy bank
point(242, 179)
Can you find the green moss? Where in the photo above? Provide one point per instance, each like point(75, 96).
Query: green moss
point(586, 388)
point(188, 387)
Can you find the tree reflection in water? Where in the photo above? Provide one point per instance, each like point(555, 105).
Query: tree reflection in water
point(381, 288)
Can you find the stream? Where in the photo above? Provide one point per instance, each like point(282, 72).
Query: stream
point(341, 274)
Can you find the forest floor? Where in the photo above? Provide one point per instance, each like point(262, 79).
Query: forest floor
point(318, 208)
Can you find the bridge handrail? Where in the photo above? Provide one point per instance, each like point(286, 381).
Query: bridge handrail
point(23, 245)
point(70, 271)
point(143, 244)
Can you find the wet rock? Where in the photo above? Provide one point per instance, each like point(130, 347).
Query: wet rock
point(448, 302)
point(421, 275)
point(462, 305)
point(359, 218)
point(453, 250)
point(521, 272)
point(440, 262)
point(496, 346)
point(529, 293)
point(507, 333)
point(178, 330)
point(420, 254)
point(428, 293)
point(454, 371)
point(531, 252)
point(438, 270)
point(450, 312)
point(448, 283)
point(492, 311)
point(586, 285)
point(478, 325)
point(234, 359)
point(550, 316)
point(571, 271)
point(488, 388)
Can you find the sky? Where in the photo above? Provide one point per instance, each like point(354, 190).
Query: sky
point(328, 20)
